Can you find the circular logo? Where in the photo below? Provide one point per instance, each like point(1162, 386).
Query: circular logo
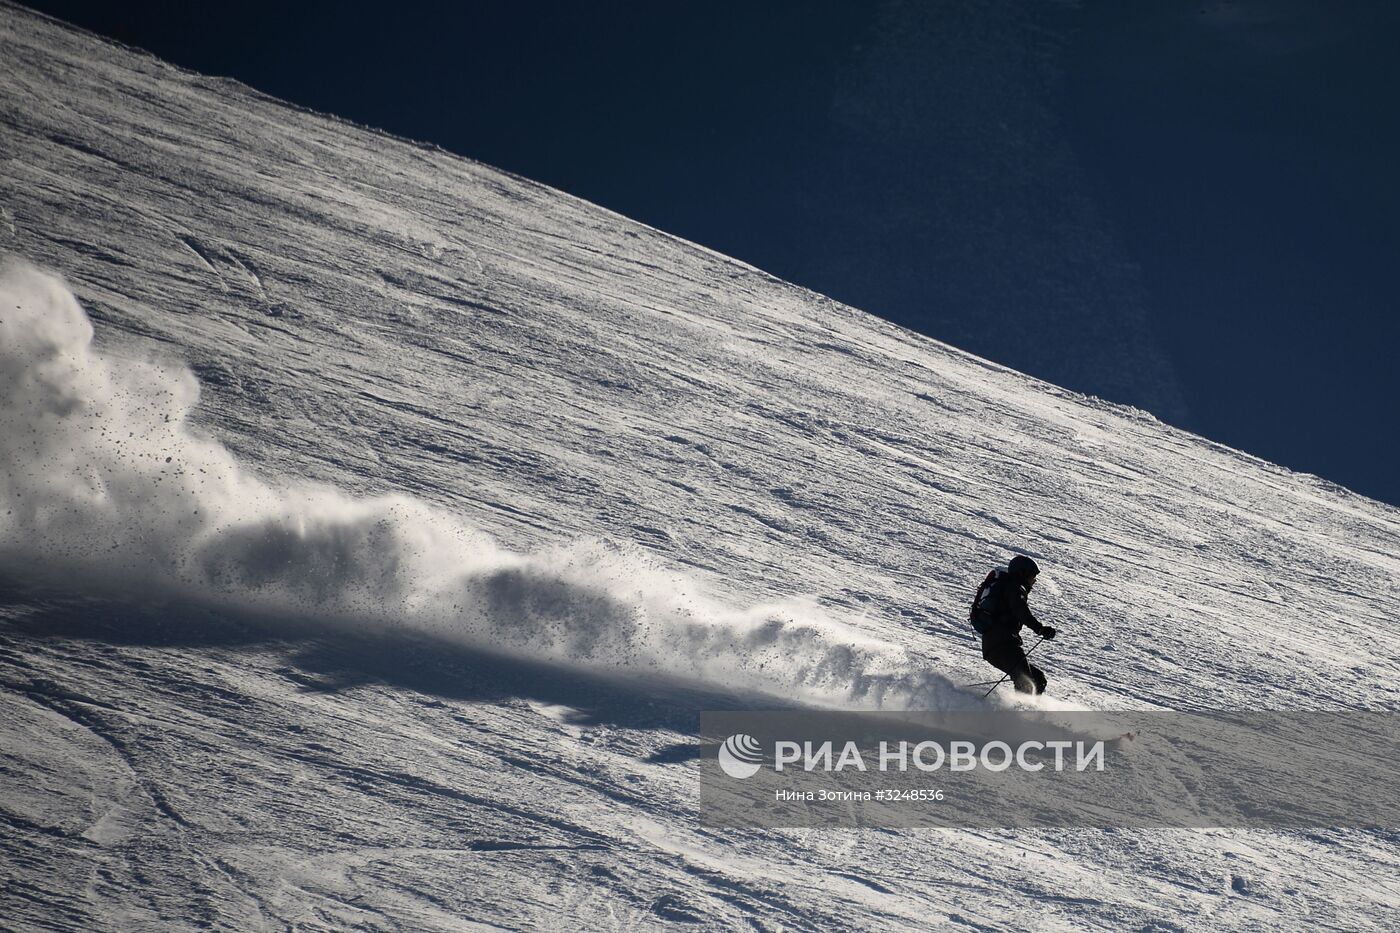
point(740, 756)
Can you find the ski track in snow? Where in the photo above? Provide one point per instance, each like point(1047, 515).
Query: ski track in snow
point(620, 453)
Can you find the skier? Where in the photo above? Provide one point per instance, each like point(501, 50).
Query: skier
point(998, 612)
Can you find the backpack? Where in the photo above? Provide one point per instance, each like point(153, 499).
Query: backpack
point(981, 615)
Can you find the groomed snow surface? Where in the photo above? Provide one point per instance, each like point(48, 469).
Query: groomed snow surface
point(375, 524)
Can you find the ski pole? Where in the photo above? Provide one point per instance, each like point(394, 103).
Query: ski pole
point(1004, 676)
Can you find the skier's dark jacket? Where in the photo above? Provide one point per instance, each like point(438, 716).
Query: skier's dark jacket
point(1003, 609)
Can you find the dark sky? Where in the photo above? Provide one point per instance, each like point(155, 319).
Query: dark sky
point(1188, 206)
point(1248, 151)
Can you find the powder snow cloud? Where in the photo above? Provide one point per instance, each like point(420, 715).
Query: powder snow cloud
point(104, 476)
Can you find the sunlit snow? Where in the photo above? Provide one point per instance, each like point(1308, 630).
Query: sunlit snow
point(375, 524)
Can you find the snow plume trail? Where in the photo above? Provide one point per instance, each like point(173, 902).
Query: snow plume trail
point(103, 478)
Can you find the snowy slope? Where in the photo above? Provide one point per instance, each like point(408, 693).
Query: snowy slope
point(371, 565)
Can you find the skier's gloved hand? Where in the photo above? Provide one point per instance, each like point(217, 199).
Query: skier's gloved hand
point(1047, 632)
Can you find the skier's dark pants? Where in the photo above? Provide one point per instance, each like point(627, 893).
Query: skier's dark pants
point(1009, 657)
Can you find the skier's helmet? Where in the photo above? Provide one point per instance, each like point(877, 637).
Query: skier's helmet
point(1023, 567)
